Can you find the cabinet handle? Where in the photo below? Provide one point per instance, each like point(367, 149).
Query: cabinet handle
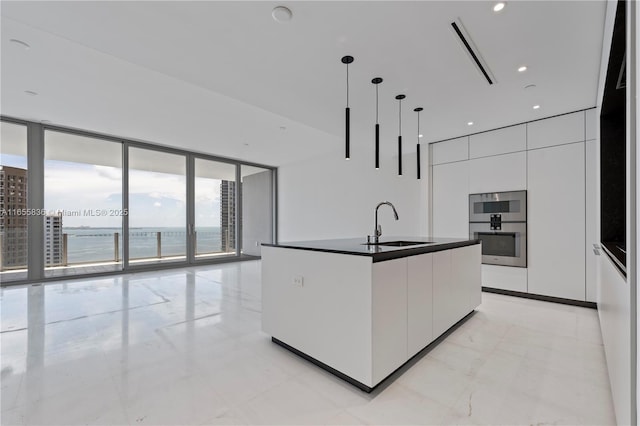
point(596, 246)
point(596, 251)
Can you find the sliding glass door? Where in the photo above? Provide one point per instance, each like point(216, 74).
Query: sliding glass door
point(157, 207)
point(215, 231)
point(82, 204)
point(13, 202)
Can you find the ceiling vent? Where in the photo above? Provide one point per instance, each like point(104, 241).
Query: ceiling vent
point(471, 49)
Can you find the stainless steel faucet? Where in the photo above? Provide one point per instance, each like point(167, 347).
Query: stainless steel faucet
point(377, 232)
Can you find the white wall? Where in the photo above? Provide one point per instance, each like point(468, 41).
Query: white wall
point(330, 197)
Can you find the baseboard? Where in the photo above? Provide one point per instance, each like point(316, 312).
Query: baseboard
point(541, 297)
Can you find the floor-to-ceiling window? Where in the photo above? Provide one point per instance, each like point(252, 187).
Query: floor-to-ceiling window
point(157, 206)
point(215, 208)
point(83, 204)
point(101, 204)
point(14, 211)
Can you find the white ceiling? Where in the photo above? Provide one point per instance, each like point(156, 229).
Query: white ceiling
point(225, 78)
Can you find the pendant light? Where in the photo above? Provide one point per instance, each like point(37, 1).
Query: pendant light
point(377, 81)
point(347, 112)
point(418, 144)
point(400, 98)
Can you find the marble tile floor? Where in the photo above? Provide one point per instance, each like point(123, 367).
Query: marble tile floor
point(184, 347)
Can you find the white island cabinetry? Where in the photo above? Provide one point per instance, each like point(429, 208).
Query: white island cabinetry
point(362, 317)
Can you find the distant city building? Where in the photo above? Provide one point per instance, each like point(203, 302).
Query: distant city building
point(13, 224)
point(53, 242)
point(228, 214)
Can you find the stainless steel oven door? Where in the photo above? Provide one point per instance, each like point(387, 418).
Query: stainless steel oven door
point(511, 206)
point(506, 247)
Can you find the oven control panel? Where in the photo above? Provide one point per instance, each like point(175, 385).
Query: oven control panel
point(496, 222)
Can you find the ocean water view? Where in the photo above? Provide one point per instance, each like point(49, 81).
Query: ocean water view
point(98, 244)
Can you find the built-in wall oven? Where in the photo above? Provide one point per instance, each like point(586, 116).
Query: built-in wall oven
point(499, 220)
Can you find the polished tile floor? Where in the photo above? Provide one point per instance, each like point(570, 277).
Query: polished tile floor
point(184, 347)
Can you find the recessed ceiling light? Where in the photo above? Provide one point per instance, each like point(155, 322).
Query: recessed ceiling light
point(419, 136)
point(281, 14)
point(522, 68)
point(20, 43)
point(498, 6)
point(31, 93)
point(470, 123)
point(536, 107)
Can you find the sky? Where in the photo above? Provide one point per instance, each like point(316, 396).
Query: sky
point(155, 199)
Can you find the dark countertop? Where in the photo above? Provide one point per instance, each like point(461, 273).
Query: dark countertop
point(358, 246)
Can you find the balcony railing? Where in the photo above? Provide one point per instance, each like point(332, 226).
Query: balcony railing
point(83, 248)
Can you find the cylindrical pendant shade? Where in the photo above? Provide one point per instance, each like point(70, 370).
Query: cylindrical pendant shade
point(347, 112)
point(418, 144)
point(399, 98)
point(400, 155)
point(377, 146)
point(347, 118)
point(418, 157)
point(376, 81)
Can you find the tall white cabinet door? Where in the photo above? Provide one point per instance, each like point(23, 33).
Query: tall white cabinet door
point(592, 217)
point(507, 172)
point(419, 302)
point(556, 221)
point(451, 200)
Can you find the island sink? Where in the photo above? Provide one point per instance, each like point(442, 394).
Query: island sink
point(399, 243)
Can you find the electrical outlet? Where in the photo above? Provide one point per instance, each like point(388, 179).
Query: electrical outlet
point(298, 280)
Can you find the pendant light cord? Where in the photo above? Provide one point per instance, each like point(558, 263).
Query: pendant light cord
point(418, 126)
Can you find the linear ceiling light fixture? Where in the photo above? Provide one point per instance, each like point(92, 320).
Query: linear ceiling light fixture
point(377, 81)
point(347, 112)
point(400, 98)
point(472, 50)
point(418, 144)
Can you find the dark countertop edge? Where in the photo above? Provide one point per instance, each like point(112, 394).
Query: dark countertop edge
point(387, 255)
point(617, 256)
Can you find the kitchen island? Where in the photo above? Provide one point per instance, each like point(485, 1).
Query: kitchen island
point(362, 311)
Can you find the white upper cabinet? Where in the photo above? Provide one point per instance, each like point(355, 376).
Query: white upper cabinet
point(501, 141)
point(559, 130)
point(499, 173)
point(591, 124)
point(450, 151)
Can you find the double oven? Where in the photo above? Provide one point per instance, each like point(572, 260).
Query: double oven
point(499, 220)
